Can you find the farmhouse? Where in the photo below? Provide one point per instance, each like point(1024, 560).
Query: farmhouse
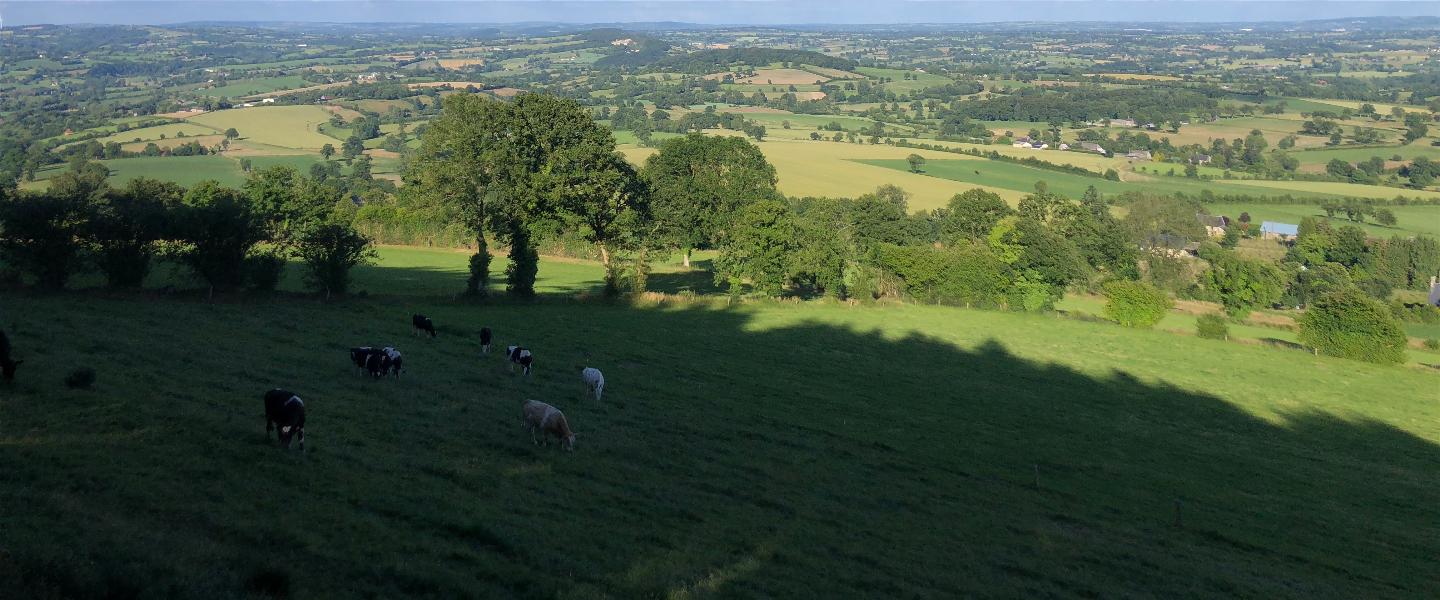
point(1092, 147)
point(1199, 159)
point(1214, 225)
point(1271, 230)
point(1138, 155)
point(1122, 122)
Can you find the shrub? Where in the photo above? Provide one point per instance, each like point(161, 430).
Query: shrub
point(80, 379)
point(329, 251)
point(1136, 304)
point(1212, 327)
point(263, 269)
point(1432, 344)
point(1347, 324)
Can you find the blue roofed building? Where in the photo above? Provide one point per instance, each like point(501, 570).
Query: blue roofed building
point(1271, 230)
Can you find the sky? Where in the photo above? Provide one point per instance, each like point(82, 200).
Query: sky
point(710, 12)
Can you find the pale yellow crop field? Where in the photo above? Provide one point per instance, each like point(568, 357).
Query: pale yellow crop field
point(284, 126)
point(807, 168)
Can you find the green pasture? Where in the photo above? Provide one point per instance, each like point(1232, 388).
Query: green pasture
point(901, 85)
point(262, 85)
point(1409, 220)
point(765, 449)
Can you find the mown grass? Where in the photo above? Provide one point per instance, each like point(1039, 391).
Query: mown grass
point(758, 450)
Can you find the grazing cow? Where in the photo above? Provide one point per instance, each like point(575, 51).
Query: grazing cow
point(594, 381)
point(395, 360)
point(361, 355)
point(519, 356)
point(285, 412)
point(7, 364)
point(377, 364)
point(421, 323)
point(547, 419)
point(485, 337)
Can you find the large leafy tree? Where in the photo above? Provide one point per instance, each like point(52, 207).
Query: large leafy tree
point(126, 226)
point(510, 165)
point(700, 182)
point(971, 215)
point(220, 227)
point(758, 249)
point(44, 234)
point(462, 156)
point(1241, 284)
point(611, 206)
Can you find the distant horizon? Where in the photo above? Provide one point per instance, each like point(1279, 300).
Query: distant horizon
point(702, 13)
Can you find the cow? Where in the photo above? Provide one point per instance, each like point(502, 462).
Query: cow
point(485, 337)
point(361, 355)
point(421, 323)
point(395, 360)
point(377, 364)
point(519, 356)
point(7, 364)
point(594, 381)
point(285, 412)
point(547, 419)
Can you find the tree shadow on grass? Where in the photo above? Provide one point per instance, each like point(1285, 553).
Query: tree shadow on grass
point(810, 459)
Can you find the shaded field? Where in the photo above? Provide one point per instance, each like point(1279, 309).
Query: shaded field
point(760, 450)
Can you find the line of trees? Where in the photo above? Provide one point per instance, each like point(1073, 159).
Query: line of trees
point(227, 238)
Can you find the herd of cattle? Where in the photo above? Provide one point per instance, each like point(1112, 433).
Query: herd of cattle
point(285, 411)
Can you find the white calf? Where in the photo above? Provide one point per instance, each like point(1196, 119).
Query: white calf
point(594, 381)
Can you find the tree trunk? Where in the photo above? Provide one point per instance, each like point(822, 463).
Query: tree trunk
point(687, 257)
point(612, 286)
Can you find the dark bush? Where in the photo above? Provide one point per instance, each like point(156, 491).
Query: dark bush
point(1212, 327)
point(329, 251)
point(263, 270)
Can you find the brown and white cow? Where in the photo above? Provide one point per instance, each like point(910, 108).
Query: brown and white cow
point(548, 420)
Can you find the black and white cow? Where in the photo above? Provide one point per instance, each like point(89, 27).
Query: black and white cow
point(519, 356)
point(485, 337)
point(361, 356)
point(394, 359)
point(7, 364)
point(285, 412)
point(377, 364)
point(421, 323)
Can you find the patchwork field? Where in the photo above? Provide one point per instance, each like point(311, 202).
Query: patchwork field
point(1180, 474)
point(285, 126)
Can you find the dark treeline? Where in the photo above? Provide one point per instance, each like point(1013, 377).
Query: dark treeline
point(227, 238)
point(1078, 105)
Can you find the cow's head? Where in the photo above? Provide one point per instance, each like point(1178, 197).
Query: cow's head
point(286, 432)
point(570, 442)
point(7, 369)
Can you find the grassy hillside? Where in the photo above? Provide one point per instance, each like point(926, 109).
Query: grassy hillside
point(760, 450)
